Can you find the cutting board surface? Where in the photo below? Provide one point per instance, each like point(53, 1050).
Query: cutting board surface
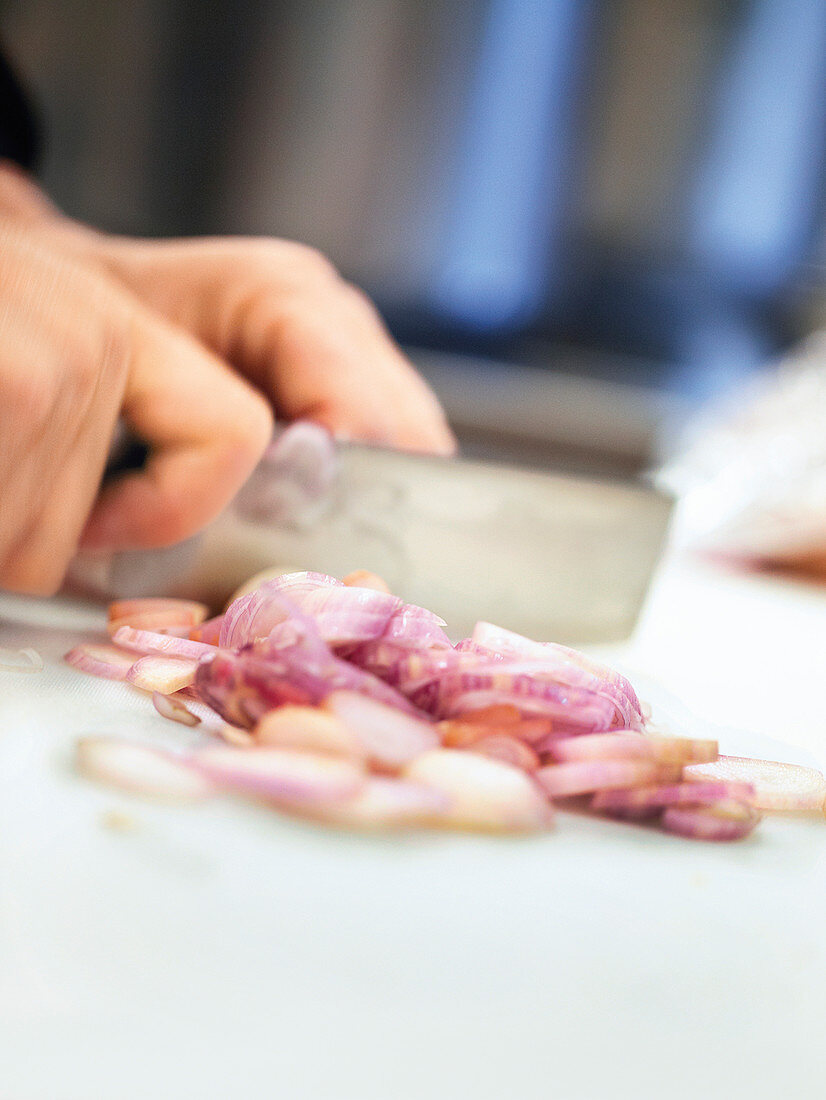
point(220, 950)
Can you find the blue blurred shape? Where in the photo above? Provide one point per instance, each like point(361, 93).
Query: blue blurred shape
point(760, 181)
point(502, 241)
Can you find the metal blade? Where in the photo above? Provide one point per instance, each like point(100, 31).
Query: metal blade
point(551, 556)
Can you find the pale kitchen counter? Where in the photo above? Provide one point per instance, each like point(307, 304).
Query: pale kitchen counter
point(221, 951)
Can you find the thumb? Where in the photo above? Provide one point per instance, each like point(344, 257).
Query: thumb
point(206, 429)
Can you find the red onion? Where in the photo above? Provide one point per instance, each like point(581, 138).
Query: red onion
point(780, 787)
point(342, 615)
point(385, 803)
point(174, 709)
point(307, 729)
point(281, 776)
point(565, 780)
point(724, 821)
point(508, 749)
point(142, 769)
point(630, 746)
point(484, 794)
point(101, 660)
point(389, 738)
point(674, 794)
point(293, 665)
point(149, 641)
point(208, 632)
point(342, 684)
point(163, 674)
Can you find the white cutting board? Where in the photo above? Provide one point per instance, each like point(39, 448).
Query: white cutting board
point(221, 951)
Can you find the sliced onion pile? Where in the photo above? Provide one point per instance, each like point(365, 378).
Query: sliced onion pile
point(345, 705)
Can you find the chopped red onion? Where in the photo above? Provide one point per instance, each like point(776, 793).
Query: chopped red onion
point(281, 776)
point(389, 738)
point(101, 660)
point(170, 707)
point(149, 641)
point(628, 745)
point(508, 749)
point(777, 786)
point(484, 794)
point(723, 821)
point(342, 615)
point(163, 674)
point(141, 769)
point(673, 794)
point(565, 780)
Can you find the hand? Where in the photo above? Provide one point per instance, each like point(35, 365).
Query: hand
point(95, 327)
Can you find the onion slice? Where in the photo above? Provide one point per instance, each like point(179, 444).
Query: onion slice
point(385, 803)
point(723, 821)
point(306, 729)
point(632, 746)
point(566, 780)
point(141, 769)
point(510, 750)
point(389, 738)
point(101, 660)
point(484, 794)
point(164, 674)
point(281, 776)
point(183, 610)
point(674, 794)
point(149, 641)
point(170, 707)
point(781, 787)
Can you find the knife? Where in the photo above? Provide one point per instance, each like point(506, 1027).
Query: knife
point(549, 555)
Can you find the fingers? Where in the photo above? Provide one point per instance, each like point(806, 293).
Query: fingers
point(206, 428)
point(331, 360)
point(279, 313)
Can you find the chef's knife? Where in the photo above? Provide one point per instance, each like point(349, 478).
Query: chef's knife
point(550, 555)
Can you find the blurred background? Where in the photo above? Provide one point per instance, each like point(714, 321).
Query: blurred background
point(582, 217)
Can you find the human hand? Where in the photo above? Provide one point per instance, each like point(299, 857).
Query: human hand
point(274, 311)
point(77, 351)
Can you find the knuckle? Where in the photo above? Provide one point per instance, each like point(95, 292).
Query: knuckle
point(299, 262)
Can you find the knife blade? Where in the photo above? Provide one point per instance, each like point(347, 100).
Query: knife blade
point(550, 555)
